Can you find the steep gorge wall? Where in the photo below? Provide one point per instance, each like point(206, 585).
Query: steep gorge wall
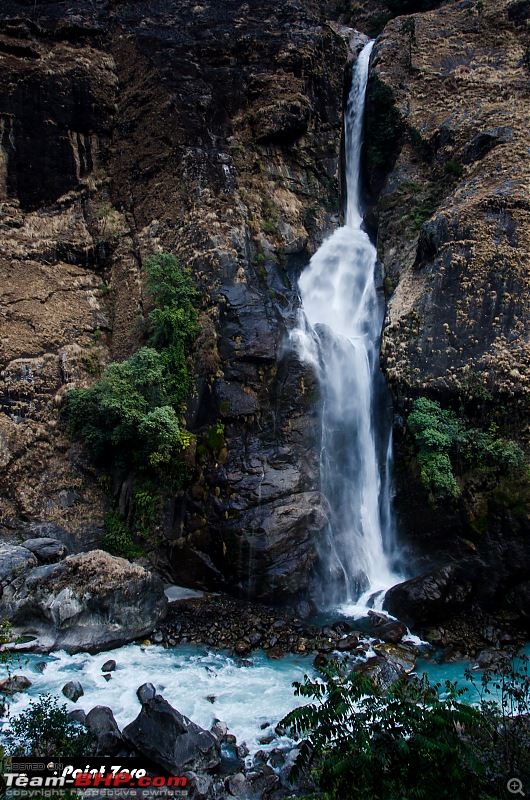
point(213, 132)
point(448, 160)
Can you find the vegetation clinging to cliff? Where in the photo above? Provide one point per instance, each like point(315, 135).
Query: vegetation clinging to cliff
point(174, 321)
point(132, 413)
point(448, 446)
point(131, 417)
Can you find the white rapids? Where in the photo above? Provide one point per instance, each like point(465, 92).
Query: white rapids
point(202, 685)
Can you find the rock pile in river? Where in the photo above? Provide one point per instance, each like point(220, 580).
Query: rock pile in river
point(215, 765)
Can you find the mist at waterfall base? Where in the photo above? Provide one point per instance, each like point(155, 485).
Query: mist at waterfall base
point(338, 333)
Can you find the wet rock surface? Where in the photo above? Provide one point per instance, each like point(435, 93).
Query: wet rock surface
point(100, 720)
point(14, 684)
point(453, 227)
point(73, 691)
point(170, 739)
point(430, 598)
point(90, 602)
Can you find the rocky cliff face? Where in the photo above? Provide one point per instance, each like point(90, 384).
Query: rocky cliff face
point(448, 153)
point(212, 131)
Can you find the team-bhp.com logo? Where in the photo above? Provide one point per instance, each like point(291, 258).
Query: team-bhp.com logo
point(113, 777)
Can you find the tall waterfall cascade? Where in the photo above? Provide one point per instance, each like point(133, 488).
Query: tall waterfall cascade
point(339, 334)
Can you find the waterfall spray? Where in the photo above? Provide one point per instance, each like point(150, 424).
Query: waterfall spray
point(339, 334)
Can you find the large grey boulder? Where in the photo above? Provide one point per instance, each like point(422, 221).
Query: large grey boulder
point(73, 691)
point(87, 602)
point(380, 671)
point(100, 720)
point(171, 740)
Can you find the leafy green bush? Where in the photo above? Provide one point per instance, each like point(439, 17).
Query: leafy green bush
point(131, 415)
point(46, 729)
point(447, 445)
point(118, 538)
point(415, 740)
point(146, 508)
point(174, 321)
point(366, 745)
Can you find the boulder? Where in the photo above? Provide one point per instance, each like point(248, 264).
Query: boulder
point(403, 658)
point(14, 561)
point(47, 550)
point(100, 720)
point(392, 632)
point(87, 602)
point(341, 626)
point(199, 787)
point(381, 672)
point(349, 642)
point(145, 692)
point(219, 729)
point(78, 715)
point(13, 684)
point(377, 619)
point(73, 691)
point(237, 785)
point(171, 740)
point(109, 666)
point(430, 598)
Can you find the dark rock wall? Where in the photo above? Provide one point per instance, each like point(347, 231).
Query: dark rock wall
point(448, 168)
point(212, 131)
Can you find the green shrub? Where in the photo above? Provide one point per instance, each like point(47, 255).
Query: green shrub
point(131, 417)
point(118, 538)
point(174, 321)
point(146, 508)
point(214, 438)
point(447, 444)
point(454, 168)
point(368, 745)
point(413, 740)
point(45, 729)
point(113, 416)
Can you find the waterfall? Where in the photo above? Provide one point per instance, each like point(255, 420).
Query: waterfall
point(339, 334)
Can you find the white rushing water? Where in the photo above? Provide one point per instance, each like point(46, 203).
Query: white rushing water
point(339, 334)
point(202, 685)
